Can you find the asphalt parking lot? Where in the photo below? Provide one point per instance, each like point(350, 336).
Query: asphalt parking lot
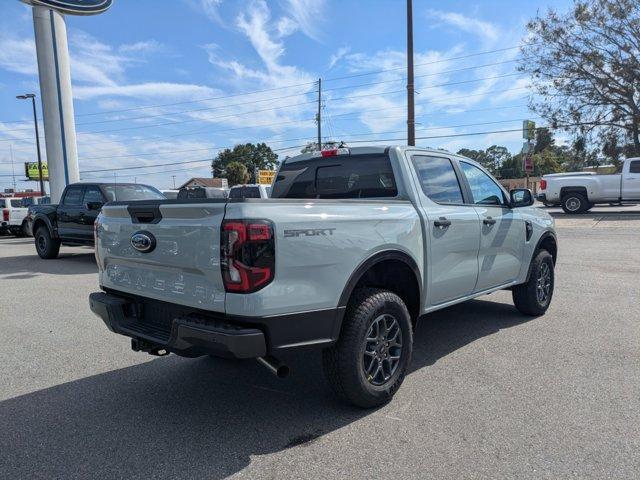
point(491, 394)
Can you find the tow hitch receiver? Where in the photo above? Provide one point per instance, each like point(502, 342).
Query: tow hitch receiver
point(139, 345)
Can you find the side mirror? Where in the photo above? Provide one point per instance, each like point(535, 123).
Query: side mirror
point(94, 205)
point(521, 197)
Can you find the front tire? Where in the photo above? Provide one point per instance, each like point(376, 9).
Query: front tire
point(46, 246)
point(574, 203)
point(369, 362)
point(534, 297)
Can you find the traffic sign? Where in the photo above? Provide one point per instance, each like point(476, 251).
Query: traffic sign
point(265, 177)
point(528, 163)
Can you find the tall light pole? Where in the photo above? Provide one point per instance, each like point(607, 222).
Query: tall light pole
point(411, 115)
point(32, 96)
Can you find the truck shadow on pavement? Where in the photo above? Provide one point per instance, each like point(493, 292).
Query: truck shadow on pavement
point(24, 267)
point(196, 418)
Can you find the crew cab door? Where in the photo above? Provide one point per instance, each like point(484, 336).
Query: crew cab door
point(502, 229)
point(92, 201)
point(452, 229)
point(69, 212)
point(631, 180)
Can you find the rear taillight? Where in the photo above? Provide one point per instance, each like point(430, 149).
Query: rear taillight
point(543, 184)
point(5, 214)
point(247, 255)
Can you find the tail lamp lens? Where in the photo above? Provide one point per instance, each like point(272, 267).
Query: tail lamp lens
point(543, 184)
point(5, 214)
point(247, 255)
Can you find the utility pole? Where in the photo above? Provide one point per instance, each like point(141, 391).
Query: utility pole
point(318, 115)
point(411, 114)
point(174, 181)
point(13, 170)
point(32, 96)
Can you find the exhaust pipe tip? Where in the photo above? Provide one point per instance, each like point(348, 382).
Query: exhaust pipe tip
point(275, 366)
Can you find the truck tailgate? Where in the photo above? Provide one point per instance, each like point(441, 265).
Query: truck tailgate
point(182, 266)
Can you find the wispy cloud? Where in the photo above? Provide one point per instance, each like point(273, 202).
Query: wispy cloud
point(18, 55)
point(308, 14)
point(485, 30)
point(145, 46)
point(337, 56)
point(143, 90)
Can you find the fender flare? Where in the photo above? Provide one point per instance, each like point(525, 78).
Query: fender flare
point(542, 238)
point(45, 219)
point(370, 262)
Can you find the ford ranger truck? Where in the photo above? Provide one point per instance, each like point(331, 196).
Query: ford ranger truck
point(352, 248)
point(579, 192)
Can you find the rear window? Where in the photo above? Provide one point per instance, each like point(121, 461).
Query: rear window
point(342, 176)
point(130, 193)
point(244, 192)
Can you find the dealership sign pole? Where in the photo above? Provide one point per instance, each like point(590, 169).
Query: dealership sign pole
point(55, 85)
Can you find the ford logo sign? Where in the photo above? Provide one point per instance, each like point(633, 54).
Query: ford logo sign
point(74, 7)
point(143, 242)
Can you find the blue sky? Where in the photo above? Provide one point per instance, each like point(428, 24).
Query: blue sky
point(171, 81)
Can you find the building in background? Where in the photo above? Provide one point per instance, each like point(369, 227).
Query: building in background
point(206, 182)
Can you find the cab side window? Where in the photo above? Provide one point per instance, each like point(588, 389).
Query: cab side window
point(73, 196)
point(93, 195)
point(438, 179)
point(484, 189)
point(634, 167)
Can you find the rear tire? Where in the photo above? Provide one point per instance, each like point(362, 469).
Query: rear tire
point(534, 297)
point(46, 246)
point(369, 362)
point(574, 203)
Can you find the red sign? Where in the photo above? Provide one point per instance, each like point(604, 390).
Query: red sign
point(528, 163)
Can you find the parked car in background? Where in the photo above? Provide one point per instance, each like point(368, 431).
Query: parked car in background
point(351, 249)
point(202, 192)
point(29, 202)
point(250, 191)
point(71, 221)
point(170, 193)
point(13, 214)
point(578, 193)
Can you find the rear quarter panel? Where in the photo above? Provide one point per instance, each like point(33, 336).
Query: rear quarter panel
point(319, 244)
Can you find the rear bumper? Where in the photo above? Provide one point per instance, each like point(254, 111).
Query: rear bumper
point(192, 333)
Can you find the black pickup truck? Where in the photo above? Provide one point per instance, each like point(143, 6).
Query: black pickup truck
point(71, 221)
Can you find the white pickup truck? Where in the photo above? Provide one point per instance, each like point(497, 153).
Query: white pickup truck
point(13, 214)
point(577, 193)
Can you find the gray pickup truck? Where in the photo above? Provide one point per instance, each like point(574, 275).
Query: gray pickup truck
point(353, 246)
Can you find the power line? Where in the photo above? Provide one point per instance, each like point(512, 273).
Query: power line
point(428, 86)
point(434, 62)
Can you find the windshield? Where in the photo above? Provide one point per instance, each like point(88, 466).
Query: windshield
point(128, 193)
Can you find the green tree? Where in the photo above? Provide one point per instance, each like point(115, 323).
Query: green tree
point(544, 140)
point(496, 155)
point(545, 162)
point(477, 155)
point(253, 156)
point(313, 146)
point(585, 68)
point(236, 173)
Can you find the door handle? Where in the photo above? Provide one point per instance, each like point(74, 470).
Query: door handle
point(442, 222)
point(489, 221)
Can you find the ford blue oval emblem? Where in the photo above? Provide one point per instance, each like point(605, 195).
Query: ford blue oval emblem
point(143, 242)
point(74, 7)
